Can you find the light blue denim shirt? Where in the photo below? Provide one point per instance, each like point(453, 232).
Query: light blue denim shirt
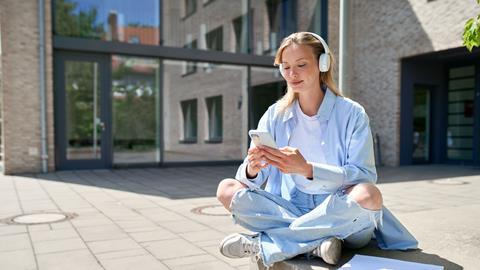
point(348, 148)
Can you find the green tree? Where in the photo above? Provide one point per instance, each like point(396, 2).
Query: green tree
point(471, 32)
point(70, 23)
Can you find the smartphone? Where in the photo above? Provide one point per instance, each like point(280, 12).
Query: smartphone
point(262, 138)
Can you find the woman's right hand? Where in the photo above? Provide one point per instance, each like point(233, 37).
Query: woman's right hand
point(256, 162)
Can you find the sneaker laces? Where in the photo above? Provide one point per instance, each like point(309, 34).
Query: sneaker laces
point(251, 247)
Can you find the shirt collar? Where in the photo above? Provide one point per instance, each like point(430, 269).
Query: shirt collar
point(324, 111)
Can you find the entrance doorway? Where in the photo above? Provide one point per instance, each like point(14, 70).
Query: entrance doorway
point(82, 111)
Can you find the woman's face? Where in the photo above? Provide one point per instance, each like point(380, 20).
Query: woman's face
point(300, 68)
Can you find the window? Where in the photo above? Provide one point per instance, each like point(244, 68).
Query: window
point(109, 20)
point(206, 2)
point(461, 97)
point(190, 67)
point(240, 31)
point(190, 7)
point(189, 113)
point(214, 39)
point(215, 127)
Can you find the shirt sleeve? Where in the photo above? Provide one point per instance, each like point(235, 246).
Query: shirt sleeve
point(264, 125)
point(360, 161)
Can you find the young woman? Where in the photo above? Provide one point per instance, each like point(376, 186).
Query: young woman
point(320, 189)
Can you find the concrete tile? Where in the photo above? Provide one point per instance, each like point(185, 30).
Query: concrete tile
point(71, 260)
point(184, 226)
point(175, 248)
point(145, 262)
point(171, 263)
point(112, 245)
point(14, 242)
point(99, 233)
point(157, 234)
point(53, 234)
point(59, 245)
point(12, 229)
point(216, 265)
point(18, 259)
point(160, 215)
point(122, 253)
point(200, 236)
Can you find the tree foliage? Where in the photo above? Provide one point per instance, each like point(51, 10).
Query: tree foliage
point(471, 32)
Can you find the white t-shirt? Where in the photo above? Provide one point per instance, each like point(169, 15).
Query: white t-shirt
point(307, 137)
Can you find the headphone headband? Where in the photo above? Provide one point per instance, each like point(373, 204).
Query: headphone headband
point(319, 38)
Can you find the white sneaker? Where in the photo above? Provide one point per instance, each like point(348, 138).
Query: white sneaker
point(330, 250)
point(239, 245)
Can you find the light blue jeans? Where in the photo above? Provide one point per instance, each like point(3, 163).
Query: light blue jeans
point(289, 228)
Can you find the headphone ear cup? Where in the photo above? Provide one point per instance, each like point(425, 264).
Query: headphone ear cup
point(324, 62)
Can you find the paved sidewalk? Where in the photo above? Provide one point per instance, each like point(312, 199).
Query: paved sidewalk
point(169, 218)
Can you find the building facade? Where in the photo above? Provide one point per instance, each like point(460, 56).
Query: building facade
point(156, 83)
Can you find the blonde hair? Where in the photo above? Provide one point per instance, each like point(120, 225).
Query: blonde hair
point(326, 78)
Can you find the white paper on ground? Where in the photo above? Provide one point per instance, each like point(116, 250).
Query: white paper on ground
point(361, 262)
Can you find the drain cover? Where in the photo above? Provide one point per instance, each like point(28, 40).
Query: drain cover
point(210, 210)
point(448, 181)
point(39, 218)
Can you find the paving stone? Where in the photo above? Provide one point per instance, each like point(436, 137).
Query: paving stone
point(145, 262)
point(71, 260)
point(58, 245)
point(155, 235)
point(14, 242)
point(53, 234)
point(18, 259)
point(175, 248)
point(113, 245)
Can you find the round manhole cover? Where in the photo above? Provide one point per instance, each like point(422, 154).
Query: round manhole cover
point(448, 182)
point(211, 210)
point(39, 218)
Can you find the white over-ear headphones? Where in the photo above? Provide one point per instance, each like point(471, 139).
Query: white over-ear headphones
point(323, 60)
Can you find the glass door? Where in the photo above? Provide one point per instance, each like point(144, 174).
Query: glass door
point(82, 107)
point(421, 125)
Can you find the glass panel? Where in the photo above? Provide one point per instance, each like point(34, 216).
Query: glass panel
point(461, 83)
point(135, 86)
point(461, 72)
point(459, 120)
point(275, 19)
point(219, 25)
point(421, 125)
point(215, 127)
point(460, 129)
point(189, 123)
point(460, 154)
point(82, 103)
point(225, 82)
point(267, 87)
point(460, 95)
point(132, 21)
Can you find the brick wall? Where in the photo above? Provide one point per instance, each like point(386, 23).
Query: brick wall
point(20, 83)
point(381, 34)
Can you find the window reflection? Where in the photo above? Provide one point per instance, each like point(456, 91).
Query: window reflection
point(135, 114)
point(133, 21)
point(219, 25)
point(205, 113)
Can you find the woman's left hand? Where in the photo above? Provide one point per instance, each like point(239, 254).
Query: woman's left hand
point(288, 160)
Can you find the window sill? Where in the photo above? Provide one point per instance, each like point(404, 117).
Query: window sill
point(214, 140)
point(188, 141)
